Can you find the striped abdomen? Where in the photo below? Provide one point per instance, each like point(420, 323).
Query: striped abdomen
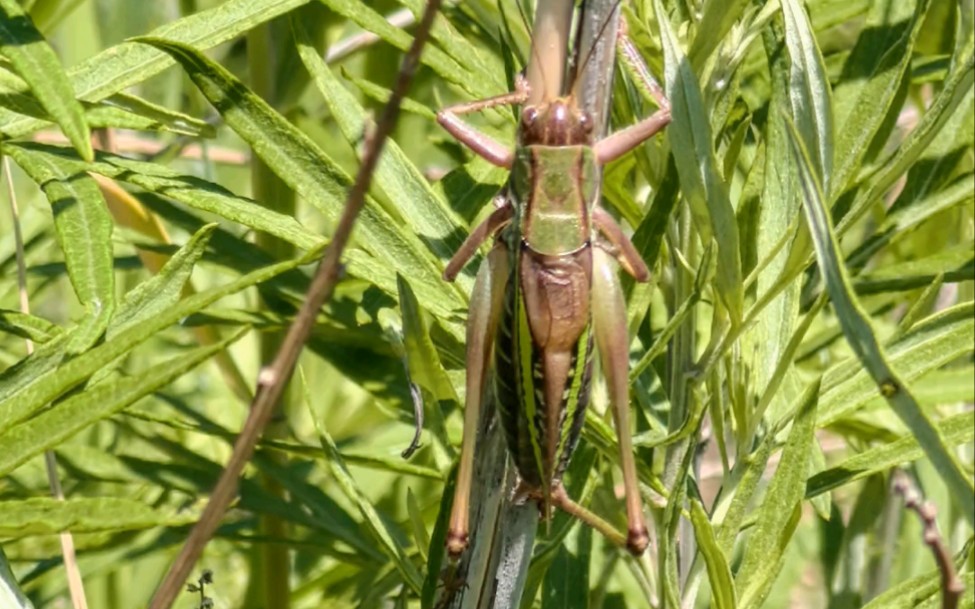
point(543, 361)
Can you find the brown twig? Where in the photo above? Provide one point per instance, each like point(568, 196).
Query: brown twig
point(951, 585)
point(273, 378)
point(134, 143)
point(401, 18)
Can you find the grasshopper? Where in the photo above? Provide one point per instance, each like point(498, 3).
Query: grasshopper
point(547, 291)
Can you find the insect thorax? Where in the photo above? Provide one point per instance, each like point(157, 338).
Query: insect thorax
point(554, 191)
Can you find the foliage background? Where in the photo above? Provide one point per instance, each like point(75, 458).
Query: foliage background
point(776, 417)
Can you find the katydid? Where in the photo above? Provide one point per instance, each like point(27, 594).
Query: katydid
point(547, 291)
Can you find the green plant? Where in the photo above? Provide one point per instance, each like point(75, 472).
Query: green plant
point(808, 219)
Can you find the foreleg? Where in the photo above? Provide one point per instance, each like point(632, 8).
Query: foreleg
point(487, 148)
point(616, 145)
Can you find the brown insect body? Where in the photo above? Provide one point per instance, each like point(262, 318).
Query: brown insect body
point(544, 344)
point(546, 297)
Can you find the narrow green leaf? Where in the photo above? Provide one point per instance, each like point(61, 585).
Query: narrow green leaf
point(786, 357)
point(939, 162)
point(40, 382)
point(859, 529)
point(927, 301)
point(956, 430)
point(930, 344)
point(395, 176)
point(566, 583)
point(393, 465)
point(305, 168)
point(126, 64)
point(779, 513)
point(18, 99)
point(861, 338)
point(48, 516)
point(902, 218)
point(957, 88)
point(921, 591)
point(822, 503)
point(27, 326)
point(422, 357)
point(879, 60)
point(691, 142)
point(719, 573)
point(955, 264)
point(46, 357)
point(420, 534)
point(11, 596)
point(387, 538)
point(63, 420)
point(381, 94)
point(473, 59)
point(325, 513)
point(779, 210)
point(192, 191)
point(809, 90)
point(84, 231)
point(39, 66)
point(162, 290)
point(477, 83)
point(436, 549)
point(124, 111)
point(713, 27)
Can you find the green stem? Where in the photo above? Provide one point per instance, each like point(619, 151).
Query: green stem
point(273, 560)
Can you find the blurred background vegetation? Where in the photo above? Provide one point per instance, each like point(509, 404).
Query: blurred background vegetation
point(775, 393)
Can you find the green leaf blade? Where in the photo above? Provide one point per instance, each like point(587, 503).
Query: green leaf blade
point(719, 573)
point(126, 64)
point(863, 341)
point(780, 509)
point(315, 177)
point(882, 57)
point(39, 66)
point(706, 192)
point(49, 516)
point(55, 425)
point(83, 226)
point(809, 90)
point(39, 381)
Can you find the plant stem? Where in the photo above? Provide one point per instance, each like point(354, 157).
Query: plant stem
point(272, 561)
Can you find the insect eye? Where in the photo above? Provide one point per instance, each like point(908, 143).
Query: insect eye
point(529, 115)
